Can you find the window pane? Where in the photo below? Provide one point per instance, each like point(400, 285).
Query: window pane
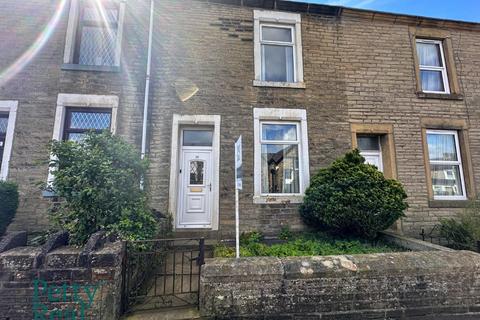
point(429, 54)
point(107, 15)
point(277, 34)
point(198, 138)
point(446, 180)
point(3, 123)
point(441, 147)
point(280, 172)
point(97, 47)
point(279, 132)
point(196, 172)
point(432, 80)
point(277, 63)
point(76, 137)
point(90, 120)
point(366, 143)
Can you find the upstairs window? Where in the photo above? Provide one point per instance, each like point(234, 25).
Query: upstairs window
point(432, 67)
point(94, 35)
point(80, 121)
point(8, 114)
point(277, 53)
point(3, 134)
point(278, 49)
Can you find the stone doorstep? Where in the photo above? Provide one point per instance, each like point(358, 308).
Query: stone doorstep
point(169, 314)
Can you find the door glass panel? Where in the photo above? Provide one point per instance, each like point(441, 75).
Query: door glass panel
point(196, 172)
point(3, 123)
point(197, 138)
point(368, 143)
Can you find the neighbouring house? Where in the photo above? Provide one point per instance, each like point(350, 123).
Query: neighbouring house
point(301, 83)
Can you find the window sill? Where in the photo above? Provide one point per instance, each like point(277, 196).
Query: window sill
point(448, 203)
point(80, 67)
point(271, 84)
point(277, 199)
point(442, 96)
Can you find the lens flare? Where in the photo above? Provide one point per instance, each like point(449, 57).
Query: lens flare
point(35, 48)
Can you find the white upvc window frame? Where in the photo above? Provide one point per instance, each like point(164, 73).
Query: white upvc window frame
point(10, 107)
point(71, 37)
point(457, 162)
point(65, 101)
point(443, 69)
point(281, 116)
point(277, 19)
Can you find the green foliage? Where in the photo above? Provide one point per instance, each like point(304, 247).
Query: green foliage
point(250, 237)
point(354, 198)
point(464, 232)
point(99, 182)
point(8, 204)
point(305, 245)
point(285, 233)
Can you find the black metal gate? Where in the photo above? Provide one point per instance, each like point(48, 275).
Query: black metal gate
point(162, 273)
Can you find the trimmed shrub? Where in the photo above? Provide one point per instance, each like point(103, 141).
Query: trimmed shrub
point(353, 198)
point(98, 181)
point(8, 204)
point(463, 232)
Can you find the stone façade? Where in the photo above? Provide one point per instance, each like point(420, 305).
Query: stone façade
point(358, 69)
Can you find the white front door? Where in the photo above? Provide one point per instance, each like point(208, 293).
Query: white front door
point(195, 187)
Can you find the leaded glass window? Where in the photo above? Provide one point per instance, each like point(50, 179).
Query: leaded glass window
point(80, 121)
point(97, 33)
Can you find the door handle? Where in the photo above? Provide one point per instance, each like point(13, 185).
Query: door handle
point(210, 186)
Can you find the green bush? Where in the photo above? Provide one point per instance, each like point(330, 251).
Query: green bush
point(8, 204)
point(353, 198)
point(98, 180)
point(463, 232)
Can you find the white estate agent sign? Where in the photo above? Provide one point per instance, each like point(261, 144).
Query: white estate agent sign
point(238, 186)
point(238, 164)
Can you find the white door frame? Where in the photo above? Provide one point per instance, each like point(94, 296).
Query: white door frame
point(194, 120)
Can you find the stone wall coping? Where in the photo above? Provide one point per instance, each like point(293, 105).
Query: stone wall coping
point(12, 240)
point(411, 243)
point(252, 268)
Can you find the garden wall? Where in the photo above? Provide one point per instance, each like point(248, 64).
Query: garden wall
point(408, 285)
point(59, 282)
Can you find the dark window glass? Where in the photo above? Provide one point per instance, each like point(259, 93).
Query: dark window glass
point(197, 138)
point(368, 143)
point(79, 122)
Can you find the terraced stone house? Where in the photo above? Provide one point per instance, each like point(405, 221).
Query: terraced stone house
point(301, 83)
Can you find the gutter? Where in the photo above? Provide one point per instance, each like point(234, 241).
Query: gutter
point(147, 87)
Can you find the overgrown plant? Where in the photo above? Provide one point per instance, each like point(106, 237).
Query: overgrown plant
point(8, 204)
point(98, 180)
point(353, 198)
point(464, 231)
